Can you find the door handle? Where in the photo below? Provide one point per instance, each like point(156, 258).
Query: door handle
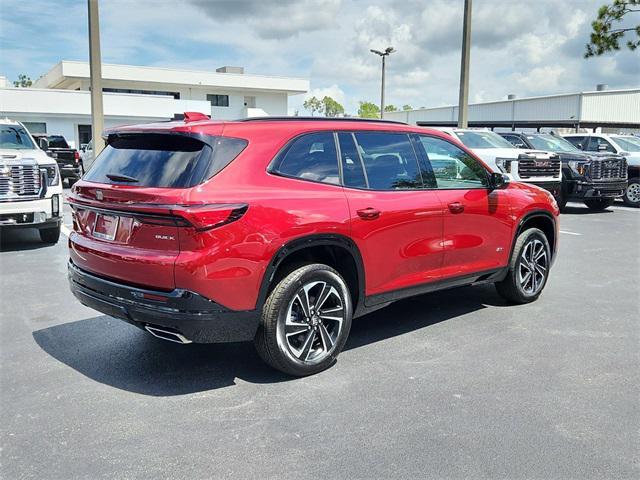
point(456, 207)
point(368, 213)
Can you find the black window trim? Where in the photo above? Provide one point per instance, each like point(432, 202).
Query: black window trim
point(484, 168)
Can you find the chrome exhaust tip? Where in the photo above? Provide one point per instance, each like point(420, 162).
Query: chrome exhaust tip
point(167, 335)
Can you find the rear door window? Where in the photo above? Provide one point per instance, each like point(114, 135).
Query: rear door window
point(578, 141)
point(599, 144)
point(389, 161)
point(310, 157)
point(162, 160)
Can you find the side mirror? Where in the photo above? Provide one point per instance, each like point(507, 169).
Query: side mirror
point(498, 180)
point(44, 143)
point(580, 146)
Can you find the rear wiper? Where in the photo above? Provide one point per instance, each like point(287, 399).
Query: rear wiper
point(121, 178)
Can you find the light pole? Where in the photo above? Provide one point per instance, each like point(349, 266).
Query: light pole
point(95, 72)
point(463, 99)
point(388, 51)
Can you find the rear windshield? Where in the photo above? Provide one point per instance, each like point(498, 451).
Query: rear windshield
point(161, 160)
point(57, 141)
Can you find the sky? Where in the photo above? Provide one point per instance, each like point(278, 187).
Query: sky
point(519, 47)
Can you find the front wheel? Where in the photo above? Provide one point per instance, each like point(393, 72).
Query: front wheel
point(50, 235)
point(528, 268)
point(632, 193)
point(599, 204)
point(305, 321)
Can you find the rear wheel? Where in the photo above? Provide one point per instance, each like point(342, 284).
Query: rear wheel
point(632, 193)
point(305, 321)
point(50, 235)
point(528, 268)
point(599, 204)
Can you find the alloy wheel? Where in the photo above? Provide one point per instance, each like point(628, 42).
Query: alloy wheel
point(314, 321)
point(534, 264)
point(633, 192)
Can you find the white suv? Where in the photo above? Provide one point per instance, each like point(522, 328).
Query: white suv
point(543, 169)
point(30, 185)
point(627, 146)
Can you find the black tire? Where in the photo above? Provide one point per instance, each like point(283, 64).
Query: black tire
point(631, 196)
point(271, 340)
point(50, 235)
point(599, 204)
point(511, 287)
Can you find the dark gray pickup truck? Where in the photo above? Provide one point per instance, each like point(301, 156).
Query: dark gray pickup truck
point(68, 158)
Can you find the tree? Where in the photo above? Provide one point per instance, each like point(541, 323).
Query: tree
point(407, 107)
point(23, 81)
point(390, 108)
point(604, 37)
point(313, 105)
point(331, 108)
point(368, 110)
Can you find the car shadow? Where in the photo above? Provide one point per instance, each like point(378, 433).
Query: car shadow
point(20, 239)
point(115, 353)
point(583, 210)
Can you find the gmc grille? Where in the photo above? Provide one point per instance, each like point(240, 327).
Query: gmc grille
point(19, 181)
point(608, 169)
point(539, 167)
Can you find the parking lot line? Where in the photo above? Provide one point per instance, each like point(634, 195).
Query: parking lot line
point(570, 233)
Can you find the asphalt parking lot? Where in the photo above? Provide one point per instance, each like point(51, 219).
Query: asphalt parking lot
point(448, 385)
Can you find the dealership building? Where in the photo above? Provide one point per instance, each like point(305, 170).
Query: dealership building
point(599, 110)
point(59, 102)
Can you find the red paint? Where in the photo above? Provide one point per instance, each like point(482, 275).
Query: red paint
point(405, 238)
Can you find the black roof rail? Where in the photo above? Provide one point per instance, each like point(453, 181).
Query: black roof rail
point(315, 119)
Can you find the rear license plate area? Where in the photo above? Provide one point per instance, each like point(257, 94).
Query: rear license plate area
point(105, 227)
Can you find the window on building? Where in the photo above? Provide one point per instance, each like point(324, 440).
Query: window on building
point(311, 157)
point(175, 95)
point(35, 127)
point(218, 100)
point(389, 161)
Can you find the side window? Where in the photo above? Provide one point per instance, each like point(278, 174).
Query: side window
point(579, 142)
point(514, 140)
point(389, 161)
point(599, 144)
point(311, 157)
point(453, 167)
point(352, 172)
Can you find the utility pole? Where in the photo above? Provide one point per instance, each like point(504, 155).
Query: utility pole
point(388, 51)
point(463, 99)
point(95, 71)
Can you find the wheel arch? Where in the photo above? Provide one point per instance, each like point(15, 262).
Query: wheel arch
point(338, 251)
point(542, 220)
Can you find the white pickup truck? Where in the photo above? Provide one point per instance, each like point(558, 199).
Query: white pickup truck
point(539, 168)
point(30, 185)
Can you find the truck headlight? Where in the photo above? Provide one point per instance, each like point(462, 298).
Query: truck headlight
point(53, 174)
point(504, 164)
point(578, 167)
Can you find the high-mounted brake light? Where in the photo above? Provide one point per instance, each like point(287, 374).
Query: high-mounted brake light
point(194, 116)
point(208, 216)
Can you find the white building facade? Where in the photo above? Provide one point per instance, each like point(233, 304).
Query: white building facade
point(608, 110)
point(60, 100)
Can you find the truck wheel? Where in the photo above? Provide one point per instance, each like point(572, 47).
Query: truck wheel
point(305, 321)
point(528, 268)
point(632, 193)
point(599, 204)
point(50, 235)
point(562, 200)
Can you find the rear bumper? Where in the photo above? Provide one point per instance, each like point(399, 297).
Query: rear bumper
point(67, 171)
point(588, 190)
point(193, 316)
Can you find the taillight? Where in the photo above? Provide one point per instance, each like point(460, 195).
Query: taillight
point(76, 156)
point(206, 217)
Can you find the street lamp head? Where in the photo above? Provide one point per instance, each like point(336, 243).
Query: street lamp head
point(389, 50)
point(377, 52)
point(386, 52)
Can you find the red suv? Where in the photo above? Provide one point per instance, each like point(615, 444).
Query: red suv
point(282, 230)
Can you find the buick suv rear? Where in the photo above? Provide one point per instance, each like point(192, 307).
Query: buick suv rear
point(282, 231)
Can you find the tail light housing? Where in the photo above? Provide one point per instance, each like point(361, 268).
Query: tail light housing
point(76, 156)
point(210, 216)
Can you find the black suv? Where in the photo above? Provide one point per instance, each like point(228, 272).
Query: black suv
point(595, 178)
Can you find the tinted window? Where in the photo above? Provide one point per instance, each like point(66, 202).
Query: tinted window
point(577, 141)
point(453, 167)
point(389, 161)
point(352, 171)
point(311, 157)
point(600, 144)
point(156, 160)
point(57, 141)
point(513, 140)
